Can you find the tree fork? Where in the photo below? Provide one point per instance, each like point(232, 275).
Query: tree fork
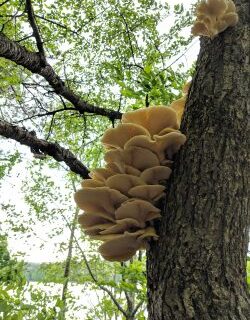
point(197, 269)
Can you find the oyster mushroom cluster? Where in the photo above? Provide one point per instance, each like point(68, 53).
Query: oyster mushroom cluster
point(119, 199)
point(213, 17)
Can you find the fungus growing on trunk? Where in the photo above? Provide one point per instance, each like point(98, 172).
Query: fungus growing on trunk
point(154, 119)
point(137, 209)
point(155, 174)
point(117, 137)
point(99, 199)
point(123, 247)
point(119, 199)
point(150, 193)
point(213, 17)
point(124, 182)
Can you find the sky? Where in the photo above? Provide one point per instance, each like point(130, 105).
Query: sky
point(11, 187)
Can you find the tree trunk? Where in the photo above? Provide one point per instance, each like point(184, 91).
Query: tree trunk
point(197, 268)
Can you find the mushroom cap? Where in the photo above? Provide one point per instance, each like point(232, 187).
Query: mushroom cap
point(98, 200)
point(119, 249)
point(140, 210)
point(124, 247)
point(230, 19)
point(186, 87)
point(167, 130)
point(149, 233)
point(136, 157)
point(114, 155)
point(87, 220)
point(154, 119)
point(117, 137)
point(123, 225)
point(106, 237)
point(212, 7)
point(131, 170)
point(113, 166)
point(142, 142)
point(123, 182)
point(200, 29)
point(91, 183)
point(178, 106)
point(170, 143)
point(147, 192)
point(101, 174)
point(140, 158)
point(155, 174)
point(121, 167)
point(97, 229)
point(230, 7)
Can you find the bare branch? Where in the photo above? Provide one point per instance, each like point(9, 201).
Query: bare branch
point(119, 307)
point(56, 23)
point(43, 147)
point(31, 60)
point(49, 113)
point(36, 33)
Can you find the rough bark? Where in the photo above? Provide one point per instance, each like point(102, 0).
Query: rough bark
point(41, 147)
point(33, 62)
point(197, 270)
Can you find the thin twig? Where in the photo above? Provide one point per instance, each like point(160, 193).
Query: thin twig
point(97, 283)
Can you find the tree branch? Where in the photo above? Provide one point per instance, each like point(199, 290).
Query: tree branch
point(119, 307)
point(36, 33)
point(32, 61)
point(43, 147)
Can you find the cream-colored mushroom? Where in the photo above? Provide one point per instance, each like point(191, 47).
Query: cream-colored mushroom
point(117, 137)
point(144, 142)
point(119, 249)
point(147, 192)
point(123, 225)
point(87, 220)
point(121, 167)
point(213, 17)
point(155, 174)
point(91, 183)
point(167, 130)
point(97, 229)
point(154, 119)
point(98, 200)
point(101, 174)
point(124, 247)
point(169, 143)
point(123, 182)
point(136, 157)
point(140, 210)
point(148, 233)
point(131, 170)
point(115, 167)
point(186, 87)
point(114, 155)
point(140, 158)
point(178, 107)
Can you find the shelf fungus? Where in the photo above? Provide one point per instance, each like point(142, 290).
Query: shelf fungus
point(213, 17)
point(119, 201)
